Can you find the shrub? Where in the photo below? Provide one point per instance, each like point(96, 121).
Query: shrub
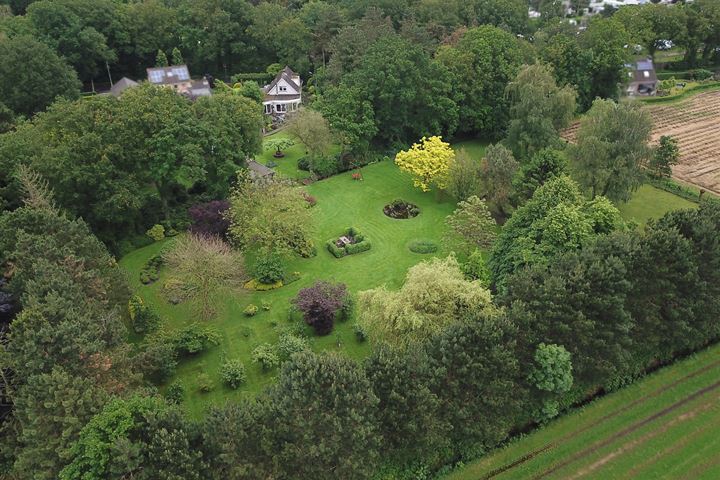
point(232, 373)
point(209, 218)
point(205, 383)
point(290, 344)
point(347, 308)
point(291, 277)
point(319, 305)
point(250, 310)
point(268, 268)
point(262, 287)
point(157, 232)
point(337, 252)
point(475, 268)
point(303, 164)
point(265, 355)
point(175, 393)
point(265, 305)
point(423, 246)
point(324, 165)
point(157, 360)
point(360, 334)
point(195, 338)
point(353, 248)
point(312, 201)
point(149, 272)
point(143, 318)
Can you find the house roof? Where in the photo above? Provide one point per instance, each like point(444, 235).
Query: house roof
point(168, 75)
point(122, 85)
point(259, 169)
point(286, 74)
point(644, 72)
point(200, 88)
point(270, 98)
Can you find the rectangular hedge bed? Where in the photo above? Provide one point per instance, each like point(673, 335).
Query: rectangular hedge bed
point(358, 243)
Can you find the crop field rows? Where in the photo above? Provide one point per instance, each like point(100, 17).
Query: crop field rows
point(662, 427)
point(695, 124)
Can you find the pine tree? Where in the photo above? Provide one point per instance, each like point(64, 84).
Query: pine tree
point(161, 59)
point(177, 58)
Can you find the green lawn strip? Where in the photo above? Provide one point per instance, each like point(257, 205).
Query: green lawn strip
point(649, 202)
point(476, 148)
point(342, 202)
point(699, 460)
point(667, 451)
point(627, 451)
point(591, 413)
point(602, 432)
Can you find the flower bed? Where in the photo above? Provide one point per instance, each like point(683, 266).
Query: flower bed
point(401, 209)
point(349, 243)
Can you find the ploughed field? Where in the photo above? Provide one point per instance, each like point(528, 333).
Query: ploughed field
point(695, 123)
point(664, 426)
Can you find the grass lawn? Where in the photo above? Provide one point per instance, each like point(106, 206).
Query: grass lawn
point(652, 203)
point(342, 202)
point(664, 426)
point(287, 166)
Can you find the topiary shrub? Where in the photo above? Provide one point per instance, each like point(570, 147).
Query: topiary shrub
point(232, 373)
point(337, 252)
point(423, 246)
point(354, 248)
point(358, 243)
point(157, 232)
point(268, 268)
point(250, 310)
point(265, 355)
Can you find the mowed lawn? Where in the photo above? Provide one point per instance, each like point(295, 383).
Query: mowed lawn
point(342, 202)
point(664, 426)
point(652, 203)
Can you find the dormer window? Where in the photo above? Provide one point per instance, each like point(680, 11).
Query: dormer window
point(646, 74)
point(282, 88)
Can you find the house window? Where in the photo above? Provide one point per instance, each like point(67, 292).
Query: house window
point(268, 108)
point(646, 74)
point(283, 89)
point(281, 107)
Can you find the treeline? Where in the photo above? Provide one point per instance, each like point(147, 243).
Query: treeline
point(47, 45)
point(125, 165)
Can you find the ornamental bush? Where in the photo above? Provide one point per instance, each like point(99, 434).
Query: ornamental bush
point(265, 355)
point(209, 218)
point(175, 393)
point(320, 303)
point(205, 383)
point(268, 268)
point(143, 318)
point(157, 232)
point(290, 344)
point(250, 310)
point(232, 373)
point(195, 338)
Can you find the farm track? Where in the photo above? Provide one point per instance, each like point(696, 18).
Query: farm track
point(695, 124)
point(657, 392)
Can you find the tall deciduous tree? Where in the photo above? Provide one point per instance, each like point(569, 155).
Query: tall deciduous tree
point(543, 166)
point(313, 131)
point(606, 39)
point(270, 215)
point(465, 176)
point(539, 110)
point(32, 75)
point(664, 156)
point(612, 147)
point(470, 226)
point(482, 63)
point(429, 162)
point(499, 167)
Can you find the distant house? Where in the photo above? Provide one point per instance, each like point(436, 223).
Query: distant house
point(178, 78)
point(122, 85)
point(643, 80)
point(283, 94)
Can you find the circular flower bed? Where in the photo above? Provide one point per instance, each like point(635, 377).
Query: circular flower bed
point(401, 209)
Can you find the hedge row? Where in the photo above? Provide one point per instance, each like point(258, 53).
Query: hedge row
point(362, 244)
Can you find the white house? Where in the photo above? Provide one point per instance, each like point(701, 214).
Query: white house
point(283, 94)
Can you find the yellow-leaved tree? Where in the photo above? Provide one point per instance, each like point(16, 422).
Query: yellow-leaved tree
point(428, 161)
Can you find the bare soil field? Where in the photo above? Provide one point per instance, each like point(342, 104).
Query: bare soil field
point(695, 124)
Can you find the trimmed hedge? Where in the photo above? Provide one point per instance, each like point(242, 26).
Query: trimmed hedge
point(258, 286)
point(362, 244)
point(423, 246)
